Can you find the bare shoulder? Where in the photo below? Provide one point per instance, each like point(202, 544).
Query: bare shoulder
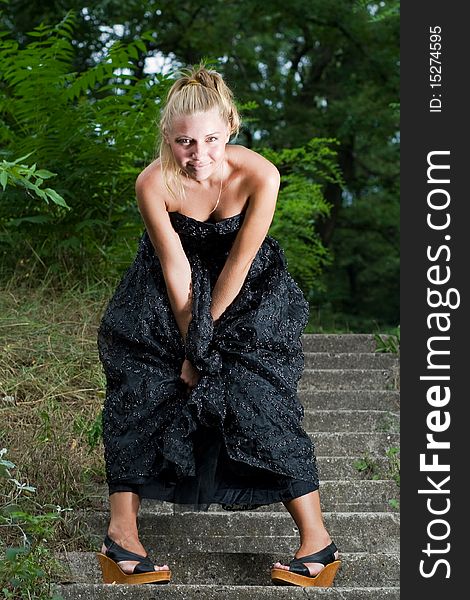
point(259, 178)
point(151, 199)
point(149, 184)
point(251, 162)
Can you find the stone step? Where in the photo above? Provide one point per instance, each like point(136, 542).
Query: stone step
point(171, 591)
point(351, 496)
point(349, 360)
point(349, 443)
point(253, 532)
point(360, 496)
point(237, 569)
point(351, 420)
point(336, 496)
point(349, 342)
point(348, 379)
point(350, 399)
point(344, 467)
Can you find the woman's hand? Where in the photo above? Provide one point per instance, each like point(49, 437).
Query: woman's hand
point(189, 374)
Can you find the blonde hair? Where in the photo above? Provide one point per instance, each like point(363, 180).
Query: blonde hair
point(198, 89)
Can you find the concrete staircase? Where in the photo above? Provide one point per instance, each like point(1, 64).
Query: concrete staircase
point(351, 401)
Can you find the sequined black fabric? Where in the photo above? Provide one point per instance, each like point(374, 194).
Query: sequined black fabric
point(236, 439)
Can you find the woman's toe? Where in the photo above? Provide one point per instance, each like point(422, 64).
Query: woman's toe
point(278, 565)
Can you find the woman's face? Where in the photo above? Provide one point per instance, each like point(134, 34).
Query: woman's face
point(198, 143)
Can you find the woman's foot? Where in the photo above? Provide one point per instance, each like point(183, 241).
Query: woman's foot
point(132, 543)
point(305, 550)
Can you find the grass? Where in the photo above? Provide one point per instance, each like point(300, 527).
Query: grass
point(388, 343)
point(28, 567)
point(323, 320)
point(51, 395)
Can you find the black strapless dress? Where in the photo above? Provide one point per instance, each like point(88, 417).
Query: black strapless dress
point(237, 438)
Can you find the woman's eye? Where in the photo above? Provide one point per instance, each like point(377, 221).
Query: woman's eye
point(184, 141)
point(212, 139)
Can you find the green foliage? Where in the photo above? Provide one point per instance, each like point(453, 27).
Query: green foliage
point(95, 130)
point(306, 69)
point(304, 171)
point(26, 570)
point(380, 10)
point(364, 275)
point(91, 431)
point(30, 178)
point(388, 343)
point(26, 575)
point(369, 467)
point(393, 455)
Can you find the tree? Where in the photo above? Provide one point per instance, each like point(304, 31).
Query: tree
point(314, 69)
point(95, 130)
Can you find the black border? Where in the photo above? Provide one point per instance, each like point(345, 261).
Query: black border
point(421, 133)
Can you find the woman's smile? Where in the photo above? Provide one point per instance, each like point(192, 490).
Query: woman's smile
point(198, 166)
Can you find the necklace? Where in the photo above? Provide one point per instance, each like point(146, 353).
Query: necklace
point(220, 189)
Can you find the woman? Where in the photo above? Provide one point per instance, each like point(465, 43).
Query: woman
point(201, 346)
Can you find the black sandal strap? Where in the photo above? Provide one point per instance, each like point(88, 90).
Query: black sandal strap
point(325, 557)
point(118, 553)
point(144, 567)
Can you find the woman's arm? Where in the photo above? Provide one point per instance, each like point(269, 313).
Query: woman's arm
point(167, 244)
point(173, 260)
point(264, 181)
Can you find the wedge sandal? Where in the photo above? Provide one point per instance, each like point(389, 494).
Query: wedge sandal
point(298, 573)
point(144, 571)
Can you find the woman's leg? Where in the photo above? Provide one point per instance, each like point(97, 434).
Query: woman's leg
point(306, 512)
point(122, 528)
